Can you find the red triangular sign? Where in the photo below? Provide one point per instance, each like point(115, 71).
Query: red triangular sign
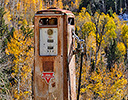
point(47, 76)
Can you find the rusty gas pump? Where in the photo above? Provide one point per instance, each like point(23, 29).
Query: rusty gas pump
point(54, 64)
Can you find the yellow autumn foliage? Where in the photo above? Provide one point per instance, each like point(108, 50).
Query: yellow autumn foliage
point(105, 84)
point(77, 4)
point(88, 27)
point(60, 4)
point(102, 83)
point(121, 48)
point(98, 30)
point(124, 34)
point(18, 46)
point(7, 16)
point(82, 18)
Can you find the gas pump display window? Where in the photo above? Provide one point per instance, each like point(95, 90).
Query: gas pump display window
point(71, 21)
point(48, 41)
point(48, 21)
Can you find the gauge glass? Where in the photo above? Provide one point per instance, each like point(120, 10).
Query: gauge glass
point(50, 32)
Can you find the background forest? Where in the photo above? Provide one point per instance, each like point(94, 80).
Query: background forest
point(105, 63)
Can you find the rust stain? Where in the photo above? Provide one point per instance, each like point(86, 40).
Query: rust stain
point(57, 11)
point(47, 58)
point(53, 84)
point(41, 86)
point(48, 66)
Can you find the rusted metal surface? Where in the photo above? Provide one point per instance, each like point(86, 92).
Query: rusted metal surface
point(48, 66)
point(54, 11)
point(59, 87)
point(71, 62)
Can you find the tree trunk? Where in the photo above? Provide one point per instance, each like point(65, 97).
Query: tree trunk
point(126, 59)
point(18, 88)
point(120, 4)
point(104, 5)
point(2, 3)
point(96, 60)
point(116, 6)
point(125, 4)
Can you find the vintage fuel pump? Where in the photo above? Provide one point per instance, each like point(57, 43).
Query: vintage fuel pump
point(54, 67)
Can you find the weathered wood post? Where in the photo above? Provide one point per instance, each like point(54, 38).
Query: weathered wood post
point(54, 64)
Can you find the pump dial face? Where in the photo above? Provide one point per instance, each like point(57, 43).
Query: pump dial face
point(50, 32)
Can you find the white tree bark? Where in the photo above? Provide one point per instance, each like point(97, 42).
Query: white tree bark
point(120, 4)
point(125, 4)
point(116, 6)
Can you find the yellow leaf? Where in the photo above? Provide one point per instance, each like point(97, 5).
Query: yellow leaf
point(26, 92)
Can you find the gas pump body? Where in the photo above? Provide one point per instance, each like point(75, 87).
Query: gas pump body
point(54, 54)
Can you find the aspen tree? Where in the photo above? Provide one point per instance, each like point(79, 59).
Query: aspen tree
point(54, 3)
point(98, 31)
point(124, 37)
point(4, 33)
point(103, 84)
point(40, 5)
point(20, 47)
point(76, 4)
point(60, 4)
point(5, 68)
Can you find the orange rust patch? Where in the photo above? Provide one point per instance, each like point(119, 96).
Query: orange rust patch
point(53, 84)
point(48, 66)
point(41, 85)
